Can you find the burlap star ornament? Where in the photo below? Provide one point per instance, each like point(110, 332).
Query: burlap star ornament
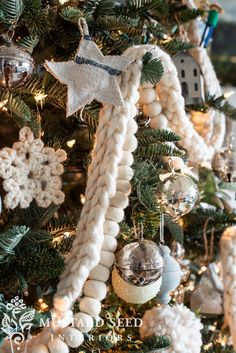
point(91, 75)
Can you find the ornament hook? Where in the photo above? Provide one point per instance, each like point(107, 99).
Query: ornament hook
point(162, 222)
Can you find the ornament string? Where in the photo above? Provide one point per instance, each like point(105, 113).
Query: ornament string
point(83, 27)
point(162, 222)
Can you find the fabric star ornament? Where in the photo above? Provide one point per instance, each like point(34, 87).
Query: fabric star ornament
point(91, 75)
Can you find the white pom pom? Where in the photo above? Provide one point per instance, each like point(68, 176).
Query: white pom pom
point(109, 243)
point(115, 214)
point(96, 289)
point(56, 345)
point(100, 273)
point(147, 95)
point(107, 258)
point(132, 127)
point(130, 143)
point(159, 122)
point(127, 159)
point(120, 200)
point(123, 186)
point(152, 109)
point(73, 337)
point(90, 306)
point(133, 294)
point(83, 321)
point(125, 172)
point(111, 228)
point(39, 348)
point(172, 321)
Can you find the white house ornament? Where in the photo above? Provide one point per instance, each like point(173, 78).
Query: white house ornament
point(91, 75)
point(140, 263)
point(190, 77)
point(31, 172)
point(177, 195)
point(172, 321)
point(16, 64)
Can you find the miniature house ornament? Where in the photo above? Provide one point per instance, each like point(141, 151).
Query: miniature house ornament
point(190, 77)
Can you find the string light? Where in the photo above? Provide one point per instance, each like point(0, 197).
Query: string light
point(70, 143)
point(3, 103)
point(82, 198)
point(40, 300)
point(40, 98)
point(202, 269)
point(227, 95)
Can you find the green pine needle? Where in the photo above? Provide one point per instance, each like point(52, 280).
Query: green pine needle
point(152, 70)
point(9, 240)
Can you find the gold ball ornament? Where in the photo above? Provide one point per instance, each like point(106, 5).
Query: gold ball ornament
point(15, 65)
point(177, 195)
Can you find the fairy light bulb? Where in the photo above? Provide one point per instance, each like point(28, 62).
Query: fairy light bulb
point(229, 94)
point(40, 98)
point(70, 143)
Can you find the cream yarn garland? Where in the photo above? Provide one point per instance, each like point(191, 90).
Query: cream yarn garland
point(178, 322)
point(107, 193)
point(228, 259)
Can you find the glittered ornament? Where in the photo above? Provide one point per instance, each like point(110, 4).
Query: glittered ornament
point(224, 164)
point(140, 263)
point(134, 294)
point(15, 65)
point(177, 195)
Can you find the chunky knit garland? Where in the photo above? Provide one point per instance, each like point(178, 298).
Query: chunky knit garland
point(228, 259)
point(92, 255)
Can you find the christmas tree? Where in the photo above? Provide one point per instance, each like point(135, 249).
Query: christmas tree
point(116, 182)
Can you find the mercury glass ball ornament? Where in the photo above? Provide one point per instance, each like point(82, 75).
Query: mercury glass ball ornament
point(15, 65)
point(140, 263)
point(177, 195)
point(224, 164)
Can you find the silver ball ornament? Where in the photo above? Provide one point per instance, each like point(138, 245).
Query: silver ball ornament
point(224, 164)
point(178, 195)
point(15, 65)
point(140, 263)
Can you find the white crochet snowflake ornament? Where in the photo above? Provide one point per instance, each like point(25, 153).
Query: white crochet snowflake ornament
point(31, 171)
point(177, 322)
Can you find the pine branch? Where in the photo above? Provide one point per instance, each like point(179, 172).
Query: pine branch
point(10, 10)
point(175, 230)
point(157, 150)
point(148, 136)
point(28, 43)
point(71, 14)
point(34, 216)
point(152, 70)
point(35, 18)
point(9, 240)
point(175, 45)
point(189, 15)
point(218, 103)
point(155, 342)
